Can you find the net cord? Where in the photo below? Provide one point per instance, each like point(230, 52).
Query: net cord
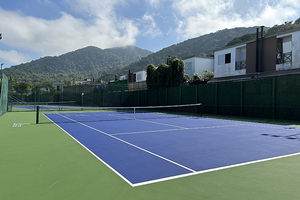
point(133, 107)
point(38, 110)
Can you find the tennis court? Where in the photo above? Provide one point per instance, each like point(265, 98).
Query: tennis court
point(158, 147)
point(41, 161)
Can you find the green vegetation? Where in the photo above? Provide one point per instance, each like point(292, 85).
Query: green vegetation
point(105, 64)
point(199, 79)
point(287, 26)
point(22, 89)
point(200, 46)
point(166, 75)
point(77, 65)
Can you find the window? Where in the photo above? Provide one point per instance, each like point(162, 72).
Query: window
point(221, 59)
point(224, 59)
point(228, 58)
point(139, 77)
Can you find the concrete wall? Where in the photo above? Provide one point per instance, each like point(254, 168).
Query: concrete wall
point(198, 65)
point(291, 42)
point(222, 69)
point(141, 76)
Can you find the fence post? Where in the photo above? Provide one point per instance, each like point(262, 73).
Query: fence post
point(37, 114)
point(241, 98)
point(273, 97)
point(216, 99)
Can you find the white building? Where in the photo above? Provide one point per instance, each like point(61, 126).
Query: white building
point(141, 76)
point(197, 65)
point(135, 76)
point(277, 55)
point(226, 60)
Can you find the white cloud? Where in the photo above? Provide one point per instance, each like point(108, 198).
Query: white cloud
point(54, 37)
point(196, 17)
point(154, 3)
point(46, 2)
point(149, 26)
point(13, 57)
point(101, 9)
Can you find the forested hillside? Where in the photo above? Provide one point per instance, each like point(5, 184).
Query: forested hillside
point(105, 63)
point(287, 26)
point(203, 45)
point(83, 63)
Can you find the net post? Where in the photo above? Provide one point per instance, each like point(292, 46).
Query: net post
point(134, 112)
point(37, 114)
point(200, 109)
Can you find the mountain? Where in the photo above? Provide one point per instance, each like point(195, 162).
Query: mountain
point(83, 63)
point(287, 26)
point(105, 63)
point(200, 46)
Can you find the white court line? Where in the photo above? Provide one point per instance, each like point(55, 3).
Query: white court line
point(164, 130)
point(130, 144)
point(149, 121)
point(214, 169)
point(173, 177)
point(272, 126)
point(120, 175)
point(162, 123)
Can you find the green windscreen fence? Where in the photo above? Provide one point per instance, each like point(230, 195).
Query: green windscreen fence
point(4, 95)
point(277, 97)
point(287, 97)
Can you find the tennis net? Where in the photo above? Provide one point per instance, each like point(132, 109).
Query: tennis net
point(66, 114)
point(32, 106)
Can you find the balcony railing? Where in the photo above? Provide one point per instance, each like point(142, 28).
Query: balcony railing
point(285, 58)
point(240, 65)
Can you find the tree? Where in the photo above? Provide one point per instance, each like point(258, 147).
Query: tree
point(281, 28)
point(35, 89)
point(22, 88)
point(98, 80)
point(47, 85)
point(208, 75)
point(166, 75)
point(197, 79)
point(52, 93)
point(186, 78)
point(162, 74)
point(177, 71)
point(151, 78)
point(201, 79)
point(297, 21)
point(234, 41)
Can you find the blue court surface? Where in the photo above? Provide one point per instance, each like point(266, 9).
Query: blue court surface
point(150, 149)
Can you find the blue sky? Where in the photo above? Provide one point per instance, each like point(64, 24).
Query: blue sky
point(36, 28)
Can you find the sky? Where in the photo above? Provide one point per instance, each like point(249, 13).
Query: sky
point(33, 29)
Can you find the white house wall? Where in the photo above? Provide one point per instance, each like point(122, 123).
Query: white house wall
point(221, 69)
point(291, 44)
point(190, 66)
point(202, 64)
point(141, 76)
point(198, 65)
